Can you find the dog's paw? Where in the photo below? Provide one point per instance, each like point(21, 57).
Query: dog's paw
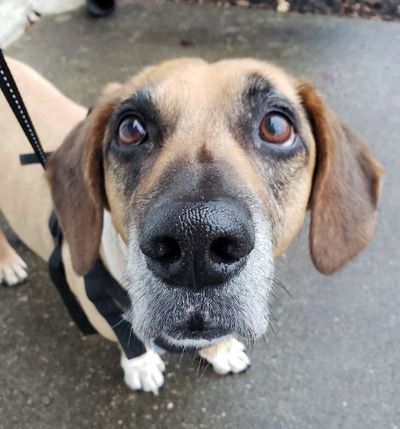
point(144, 372)
point(227, 357)
point(12, 268)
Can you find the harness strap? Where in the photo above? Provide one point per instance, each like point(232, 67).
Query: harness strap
point(31, 158)
point(14, 99)
point(111, 301)
point(59, 279)
point(109, 298)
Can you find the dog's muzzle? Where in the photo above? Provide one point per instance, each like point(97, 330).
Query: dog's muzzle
point(199, 270)
point(197, 245)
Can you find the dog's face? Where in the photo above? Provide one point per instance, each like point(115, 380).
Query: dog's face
point(208, 170)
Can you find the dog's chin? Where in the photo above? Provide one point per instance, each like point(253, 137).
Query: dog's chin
point(181, 318)
point(177, 340)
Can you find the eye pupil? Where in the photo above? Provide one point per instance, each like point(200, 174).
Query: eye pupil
point(276, 128)
point(131, 131)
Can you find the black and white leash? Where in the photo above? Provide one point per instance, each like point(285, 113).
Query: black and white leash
point(14, 99)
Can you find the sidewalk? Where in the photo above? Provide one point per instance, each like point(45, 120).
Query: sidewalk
point(333, 361)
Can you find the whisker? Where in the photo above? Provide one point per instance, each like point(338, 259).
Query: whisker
point(118, 323)
point(198, 367)
point(271, 326)
point(276, 298)
point(277, 282)
point(130, 334)
point(181, 356)
point(205, 367)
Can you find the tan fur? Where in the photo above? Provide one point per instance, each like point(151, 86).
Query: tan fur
point(53, 115)
point(5, 246)
point(203, 129)
point(217, 85)
point(340, 182)
point(25, 198)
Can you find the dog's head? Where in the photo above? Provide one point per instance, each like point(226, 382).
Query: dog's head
point(208, 171)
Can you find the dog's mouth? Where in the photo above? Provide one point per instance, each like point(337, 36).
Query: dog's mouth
point(179, 340)
point(208, 334)
point(206, 300)
point(192, 334)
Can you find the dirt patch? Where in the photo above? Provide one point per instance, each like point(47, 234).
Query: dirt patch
point(388, 10)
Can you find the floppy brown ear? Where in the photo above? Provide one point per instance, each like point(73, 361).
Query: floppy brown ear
point(346, 187)
point(75, 175)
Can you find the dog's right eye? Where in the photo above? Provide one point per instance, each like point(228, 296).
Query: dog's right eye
point(131, 131)
point(277, 129)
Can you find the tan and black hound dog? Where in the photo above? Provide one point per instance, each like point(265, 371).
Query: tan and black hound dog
point(187, 180)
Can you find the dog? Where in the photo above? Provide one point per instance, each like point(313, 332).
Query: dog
point(187, 181)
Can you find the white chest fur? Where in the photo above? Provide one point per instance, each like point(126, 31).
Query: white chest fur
point(113, 249)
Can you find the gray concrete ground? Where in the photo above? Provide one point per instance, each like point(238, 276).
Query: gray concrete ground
point(333, 361)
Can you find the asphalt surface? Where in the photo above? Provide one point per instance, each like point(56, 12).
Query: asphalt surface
point(333, 359)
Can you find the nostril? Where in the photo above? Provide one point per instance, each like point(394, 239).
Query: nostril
point(225, 250)
point(164, 250)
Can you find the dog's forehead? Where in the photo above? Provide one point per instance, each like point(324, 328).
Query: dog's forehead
point(194, 82)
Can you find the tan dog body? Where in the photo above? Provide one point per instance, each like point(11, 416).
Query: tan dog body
point(24, 194)
point(25, 197)
point(204, 138)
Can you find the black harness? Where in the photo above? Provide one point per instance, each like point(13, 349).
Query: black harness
point(107, 295)
point(110, 299)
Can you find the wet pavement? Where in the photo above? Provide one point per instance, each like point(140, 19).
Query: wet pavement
point(333, 358)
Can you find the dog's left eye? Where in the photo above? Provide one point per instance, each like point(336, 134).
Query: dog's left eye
point(277, 129)
point(131, 131)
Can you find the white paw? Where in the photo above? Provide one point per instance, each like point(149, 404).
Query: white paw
point(144, 372)
point(227, 357)
point(12, 269)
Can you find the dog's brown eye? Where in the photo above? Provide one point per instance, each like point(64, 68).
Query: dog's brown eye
point(131, 131)
point(276, 128)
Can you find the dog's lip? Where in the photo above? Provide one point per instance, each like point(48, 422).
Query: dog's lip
point(177, 340)
point(184, 333)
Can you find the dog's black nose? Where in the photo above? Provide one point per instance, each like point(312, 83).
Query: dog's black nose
point(197, 244)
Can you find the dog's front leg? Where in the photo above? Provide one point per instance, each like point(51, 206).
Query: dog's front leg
point(12, 267)
point(226, 357)
point(144, 372)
